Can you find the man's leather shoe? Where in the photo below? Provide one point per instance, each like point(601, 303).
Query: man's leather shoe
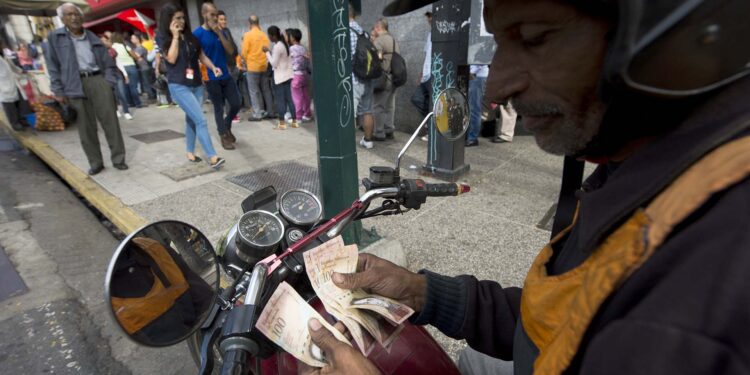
point(121, 166)
point(378, 139)
point(226, 142)
point(93, 171)
point(497, 139)
point(389, 136)
point(473, 143)
point(231, 136)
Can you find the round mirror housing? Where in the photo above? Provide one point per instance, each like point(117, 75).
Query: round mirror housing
point(451, 111)
point(162, 283)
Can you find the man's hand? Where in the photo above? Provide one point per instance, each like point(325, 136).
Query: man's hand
point(381, 277)
point(341, 358)
point(217, 72)
point(265, 49)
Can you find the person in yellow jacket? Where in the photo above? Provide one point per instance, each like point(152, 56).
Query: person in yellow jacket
point(258, 76)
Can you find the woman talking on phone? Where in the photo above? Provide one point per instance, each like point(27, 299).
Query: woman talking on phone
point(181, 52)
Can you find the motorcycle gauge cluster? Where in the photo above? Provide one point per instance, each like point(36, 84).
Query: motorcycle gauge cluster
point(300, 207)
point(258, 231)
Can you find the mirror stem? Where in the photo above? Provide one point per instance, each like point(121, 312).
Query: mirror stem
point(255, 286)
point(411, 140)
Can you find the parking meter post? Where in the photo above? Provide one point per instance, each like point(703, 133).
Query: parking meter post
point(450, 43)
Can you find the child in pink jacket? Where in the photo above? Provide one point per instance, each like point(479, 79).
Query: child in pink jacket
point(301, 68)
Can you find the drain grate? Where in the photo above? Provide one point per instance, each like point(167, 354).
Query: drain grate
point(157, 136)
point(283, 176)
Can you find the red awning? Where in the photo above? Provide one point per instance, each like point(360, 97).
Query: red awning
point(141, 19)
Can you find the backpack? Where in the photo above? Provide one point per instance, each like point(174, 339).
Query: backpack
point(366, 61)
point(398, 68)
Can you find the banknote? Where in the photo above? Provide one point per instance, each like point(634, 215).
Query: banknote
point(351, 306)
point(284, 321)
point(386, 307)
point(334, 256)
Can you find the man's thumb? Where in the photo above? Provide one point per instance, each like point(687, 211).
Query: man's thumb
point(347, 280)
point(321, 336)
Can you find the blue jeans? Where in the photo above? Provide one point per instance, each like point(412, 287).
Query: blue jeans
point(422, 98)
point(476, 94)
point(284, 102)
point(133, 79)
point(190, 100)
point(121, 92)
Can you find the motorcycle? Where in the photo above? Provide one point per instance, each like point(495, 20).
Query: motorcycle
point(167, 284)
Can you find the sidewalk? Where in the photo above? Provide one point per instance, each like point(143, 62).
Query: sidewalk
point(492, 232)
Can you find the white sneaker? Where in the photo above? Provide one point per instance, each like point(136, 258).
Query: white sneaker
point(366, 144)
point(306, 119)
point(119, 114)
point(128, 116)
point(424, 138)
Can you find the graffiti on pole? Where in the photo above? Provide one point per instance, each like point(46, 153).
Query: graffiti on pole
point(342, 50)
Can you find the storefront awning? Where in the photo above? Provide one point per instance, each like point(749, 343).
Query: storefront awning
point(141, 19)
point(37, 7)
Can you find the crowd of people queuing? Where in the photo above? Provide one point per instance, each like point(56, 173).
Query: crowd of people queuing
point(268, 73)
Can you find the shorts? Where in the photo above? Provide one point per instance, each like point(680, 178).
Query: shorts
point(363, 97)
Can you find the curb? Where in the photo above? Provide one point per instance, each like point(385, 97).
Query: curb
point(125, 218)
point(122, 216)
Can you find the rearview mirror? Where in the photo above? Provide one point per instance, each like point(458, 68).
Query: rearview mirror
point(451, 111)
point(162, 283)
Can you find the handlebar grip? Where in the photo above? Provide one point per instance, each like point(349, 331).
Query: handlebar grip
point(235, 363)
point(446, 190)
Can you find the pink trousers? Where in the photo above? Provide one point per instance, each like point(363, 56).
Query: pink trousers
point(301, 95)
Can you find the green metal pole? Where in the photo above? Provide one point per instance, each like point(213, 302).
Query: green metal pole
point(332, 88)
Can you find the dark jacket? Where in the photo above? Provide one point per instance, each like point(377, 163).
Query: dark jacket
point(685, 311)
point(62, 63)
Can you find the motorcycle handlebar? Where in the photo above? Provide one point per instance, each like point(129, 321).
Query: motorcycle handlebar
point(446, 190)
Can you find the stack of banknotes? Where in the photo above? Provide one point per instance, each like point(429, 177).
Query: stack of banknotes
point(370, 319)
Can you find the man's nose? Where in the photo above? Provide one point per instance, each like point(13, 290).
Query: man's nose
point(508, 77)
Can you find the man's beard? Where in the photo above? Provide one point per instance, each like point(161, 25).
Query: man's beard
point(562, 133)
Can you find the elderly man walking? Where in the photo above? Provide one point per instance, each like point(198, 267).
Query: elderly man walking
point(82, 73)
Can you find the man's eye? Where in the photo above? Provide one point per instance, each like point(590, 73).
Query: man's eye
point(535, 41)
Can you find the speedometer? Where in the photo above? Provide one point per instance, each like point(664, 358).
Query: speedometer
point(260, 229)
point(300, 207)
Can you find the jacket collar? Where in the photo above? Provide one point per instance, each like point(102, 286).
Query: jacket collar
point(90, 36)
point(648, 171)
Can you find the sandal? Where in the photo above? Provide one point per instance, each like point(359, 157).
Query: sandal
point(195, 159)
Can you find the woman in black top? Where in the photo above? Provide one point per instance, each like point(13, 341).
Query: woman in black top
point(181, 52)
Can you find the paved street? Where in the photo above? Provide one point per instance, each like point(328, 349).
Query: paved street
point(61, 249)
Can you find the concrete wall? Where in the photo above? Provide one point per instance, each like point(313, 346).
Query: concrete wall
point(410, 31)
